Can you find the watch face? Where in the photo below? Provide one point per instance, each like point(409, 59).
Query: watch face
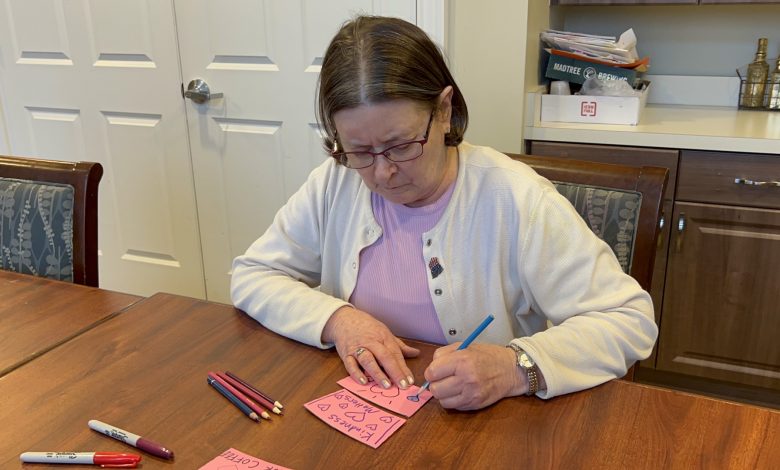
point(526, 361)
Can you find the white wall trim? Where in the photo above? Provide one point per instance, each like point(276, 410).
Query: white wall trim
point(432, 18)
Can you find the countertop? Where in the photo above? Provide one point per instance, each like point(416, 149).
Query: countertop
point(669, 126)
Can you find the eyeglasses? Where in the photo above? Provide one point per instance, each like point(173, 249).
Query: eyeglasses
point(402, 152)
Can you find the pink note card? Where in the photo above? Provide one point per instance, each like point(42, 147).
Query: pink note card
point(233, 459)
point(357, 419)
point(393, 398)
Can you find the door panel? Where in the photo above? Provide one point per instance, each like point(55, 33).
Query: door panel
point(252, 148)
point(98, 80)
point(720, 305)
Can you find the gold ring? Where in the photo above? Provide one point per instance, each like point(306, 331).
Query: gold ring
point(359, 351)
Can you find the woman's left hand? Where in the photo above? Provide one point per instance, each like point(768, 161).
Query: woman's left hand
point(475, 377)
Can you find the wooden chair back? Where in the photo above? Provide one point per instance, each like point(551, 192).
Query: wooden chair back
point(649, 181)
point(84, 177)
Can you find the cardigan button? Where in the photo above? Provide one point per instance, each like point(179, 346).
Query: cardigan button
point(437, 292)
point(453, 332)
point(428, 243)
point(354, 265)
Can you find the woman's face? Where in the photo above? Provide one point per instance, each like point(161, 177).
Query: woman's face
point(375, 127)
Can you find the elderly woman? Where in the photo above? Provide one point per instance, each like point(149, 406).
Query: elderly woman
point(407, 231)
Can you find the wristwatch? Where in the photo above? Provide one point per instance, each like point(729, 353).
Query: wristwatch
point(527, 366)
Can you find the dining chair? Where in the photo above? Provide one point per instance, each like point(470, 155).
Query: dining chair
point(622, 204)
point(48, 218)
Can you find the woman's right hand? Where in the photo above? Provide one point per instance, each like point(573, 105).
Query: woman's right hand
point(367, 346)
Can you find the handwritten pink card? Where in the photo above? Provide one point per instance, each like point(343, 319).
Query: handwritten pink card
point(233, 459)
point(357, 419)
point(393, 398)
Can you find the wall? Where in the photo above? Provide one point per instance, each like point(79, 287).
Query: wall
point(5, 146)
point(703, 40)
point(486, 46)
point(540, 18)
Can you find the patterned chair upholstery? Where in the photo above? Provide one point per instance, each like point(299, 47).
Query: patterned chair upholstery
point(622, 204)
point(48, 218)
point(36, 228)
point(611, 214)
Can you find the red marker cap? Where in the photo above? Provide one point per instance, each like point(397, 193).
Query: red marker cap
point(116, 460)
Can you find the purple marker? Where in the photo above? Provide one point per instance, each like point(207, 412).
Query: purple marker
point(129, 438)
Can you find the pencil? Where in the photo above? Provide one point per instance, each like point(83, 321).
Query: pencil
point(251, 394)
point(240, 395)
point(233, 399)
point(250, 387)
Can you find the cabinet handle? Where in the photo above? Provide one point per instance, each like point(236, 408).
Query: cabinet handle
point(661, 223)
point(680, 229)
point(749, 182)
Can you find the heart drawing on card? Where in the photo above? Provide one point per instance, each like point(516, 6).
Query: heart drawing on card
point(386, 419)
point(356, 416)
point(391, 392)
point(343, 406)
point(324, 407)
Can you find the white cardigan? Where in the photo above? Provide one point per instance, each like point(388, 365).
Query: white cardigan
point(509, 244)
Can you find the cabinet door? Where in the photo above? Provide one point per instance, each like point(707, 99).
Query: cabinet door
point(624, 2)
point(721, 316)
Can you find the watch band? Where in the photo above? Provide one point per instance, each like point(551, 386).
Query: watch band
point(527, 365)
point(533, 380)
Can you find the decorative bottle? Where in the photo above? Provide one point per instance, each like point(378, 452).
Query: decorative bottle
point(755, 81)
point(774, 87)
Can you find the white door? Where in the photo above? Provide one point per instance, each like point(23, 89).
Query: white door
point(253, 147)
point(99, 80)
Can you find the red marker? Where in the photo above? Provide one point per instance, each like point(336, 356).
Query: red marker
point(104, 459)
point(129, 438)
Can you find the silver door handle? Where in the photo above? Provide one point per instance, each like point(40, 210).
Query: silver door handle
point(681, 223)
point(198, 91)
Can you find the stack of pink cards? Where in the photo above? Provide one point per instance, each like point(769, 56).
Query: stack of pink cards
point(345, 411)
point(233, 459)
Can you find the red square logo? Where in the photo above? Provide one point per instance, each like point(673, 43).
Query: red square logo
point(588, 108)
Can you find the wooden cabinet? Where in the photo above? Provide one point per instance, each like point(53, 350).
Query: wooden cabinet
point(726, 2)
point(657, 2)
point(722, 296)
point(715, 288)
point(624, 2)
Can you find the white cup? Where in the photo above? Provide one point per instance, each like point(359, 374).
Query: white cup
point(560, 87)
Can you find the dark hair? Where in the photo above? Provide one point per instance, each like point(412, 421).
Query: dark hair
point(375, 59)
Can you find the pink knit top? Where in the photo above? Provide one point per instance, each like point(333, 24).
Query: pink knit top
point(392, 281)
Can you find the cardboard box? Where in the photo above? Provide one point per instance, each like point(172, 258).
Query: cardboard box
point(577, 71)
point(594, 109)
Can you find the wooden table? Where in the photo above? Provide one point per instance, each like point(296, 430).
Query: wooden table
point(38, 314)
point(145, 371)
